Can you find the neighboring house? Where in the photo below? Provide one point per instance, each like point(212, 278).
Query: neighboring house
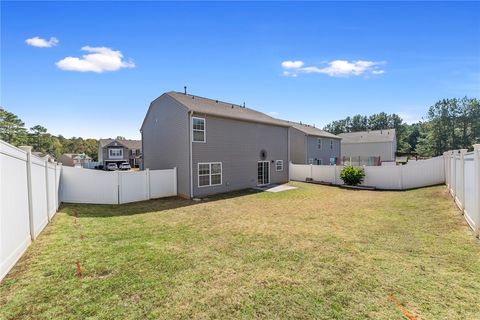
point(310, 145)
point(119, 151)
point(373, 147)
point(215, 146)
point(75, 160)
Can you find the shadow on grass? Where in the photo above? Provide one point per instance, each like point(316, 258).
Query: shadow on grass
point(155, 205)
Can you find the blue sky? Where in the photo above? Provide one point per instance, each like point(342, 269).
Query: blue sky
point(91, 69)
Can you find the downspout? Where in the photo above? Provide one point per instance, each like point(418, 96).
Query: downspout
point(288, 155)
point(190, 133)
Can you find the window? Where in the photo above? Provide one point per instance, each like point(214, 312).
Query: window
point(319, 143)
point(198, 127)
point(115, 153)
point(133, 152)
point(310, 161)
point(209, 174)
point(331, 144)
point(279, 165)
point(318, 162)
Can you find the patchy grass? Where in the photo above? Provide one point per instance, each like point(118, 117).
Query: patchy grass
point(315, 252)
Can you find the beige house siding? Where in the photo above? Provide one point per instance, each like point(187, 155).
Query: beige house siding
point(384, 150)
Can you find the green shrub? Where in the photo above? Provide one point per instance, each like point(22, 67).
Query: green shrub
point(352, 176)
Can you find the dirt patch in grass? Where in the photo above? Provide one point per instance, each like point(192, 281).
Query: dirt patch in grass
point(313, 252)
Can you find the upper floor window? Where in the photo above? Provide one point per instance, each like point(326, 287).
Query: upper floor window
point(133, 152)
point(115, 153)
point(331, 144)
point(319, 143)
point(198, 128)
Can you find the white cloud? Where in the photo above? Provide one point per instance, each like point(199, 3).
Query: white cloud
point(100, 59)
point(292, 64)
point(335, 68)
point(42, 43)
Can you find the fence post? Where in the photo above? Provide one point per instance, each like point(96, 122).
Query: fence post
point(476, 172)
point(461, 199)
point(147, 181)
point(175, 180)
point(118, 182)
point(28, 150)
point(446, 166)
point(335, 173)
point(454, 175)
point(311, 171)
point(46, 189)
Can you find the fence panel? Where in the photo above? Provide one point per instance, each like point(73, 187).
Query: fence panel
point(163, 183)
point(52, 190)
point(324, 173)
point(470, 190)
point(133, 186)
point(14, 218)
point(416, 174)
point(458, 180)
point(79, 185)
point(423, 173)
point(383, 177)
point(39, 195)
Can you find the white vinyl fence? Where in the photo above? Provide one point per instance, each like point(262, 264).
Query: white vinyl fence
point(115, 187)
point(462, 171)
point(28, 200)
point(415, 174)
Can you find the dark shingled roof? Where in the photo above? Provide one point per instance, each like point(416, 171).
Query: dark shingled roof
point(387, 135)
point(130, 144)
point(223, 109)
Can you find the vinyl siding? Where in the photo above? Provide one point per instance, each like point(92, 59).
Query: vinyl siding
point(237, 144)
point(325, 153)
point(297, 146)
point(165, 136)
point(386, 150)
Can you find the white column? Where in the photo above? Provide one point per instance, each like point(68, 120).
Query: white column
point(28, 150)
point(476, 171)
point(461, 187)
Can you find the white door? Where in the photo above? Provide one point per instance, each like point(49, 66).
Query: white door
point(263, 177)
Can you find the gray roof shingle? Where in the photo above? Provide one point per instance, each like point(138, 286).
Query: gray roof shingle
point(130, 144)
point(387, 135)
point(223, 109)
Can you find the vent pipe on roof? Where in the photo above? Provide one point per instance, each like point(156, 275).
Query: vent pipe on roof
point(244, 104)
point(185, 90)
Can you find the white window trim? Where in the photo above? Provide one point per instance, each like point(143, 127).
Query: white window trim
point(204, 130)
point(110, 156)
point(277, 162)
point(319, 143)
point(209, 174)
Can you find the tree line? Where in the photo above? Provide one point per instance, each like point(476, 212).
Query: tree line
point(450, 124)
point(13, 131)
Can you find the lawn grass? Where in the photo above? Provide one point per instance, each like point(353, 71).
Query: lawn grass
point(314, 252)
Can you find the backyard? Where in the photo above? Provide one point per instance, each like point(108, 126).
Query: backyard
point(313, 252)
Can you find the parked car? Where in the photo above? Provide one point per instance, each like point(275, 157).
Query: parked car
point(125, 166)
point(112, 167)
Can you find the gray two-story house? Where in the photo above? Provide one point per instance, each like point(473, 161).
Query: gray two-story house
point(310, 145)
point(215, 146)
point(120, 151)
